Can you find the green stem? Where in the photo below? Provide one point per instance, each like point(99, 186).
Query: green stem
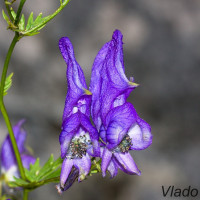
point(6, 63)
point(8, 10)
point(25, 194)
point(19, 10)
point(3, 109)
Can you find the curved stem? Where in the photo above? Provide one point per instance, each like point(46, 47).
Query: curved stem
point(6, 63)
point(3, 109)
point(25, 194)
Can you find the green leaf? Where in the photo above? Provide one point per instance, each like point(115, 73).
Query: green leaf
point(8, 84)
point(31, 34)
point(49, 167)
point(18, 182)
point(40, 22)
point(32, 174)
point(6, 17)
point(13, 13)
point(38, 19)
point(30, 21)
point(22, 23)
point(29, 175)
point(54, 175)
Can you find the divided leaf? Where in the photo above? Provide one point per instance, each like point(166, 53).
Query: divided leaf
point(38, 175)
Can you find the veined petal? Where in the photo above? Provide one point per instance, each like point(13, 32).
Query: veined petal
point(95, 85)
point(65, 171)
point(140, 133)
point(118, 122)
point(77, 89)
point(127, 163)
point(84, 165)
point(102, 133)
point(106, 157)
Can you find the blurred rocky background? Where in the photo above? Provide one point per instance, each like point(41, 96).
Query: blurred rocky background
point(161, 51)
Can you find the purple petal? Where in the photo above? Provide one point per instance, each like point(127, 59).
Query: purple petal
point(140, 133)
point(114, 81)
point(102, 133)
point(113, 168)
point(77, 88)
point(27, 160)
point(95, 85)
point(118, 122)
point(7, 149)
point(20, 135)
point(86, 124)
point(65, 139)
point(106, 157)
point(127, 163)
point(84, 165)
point(65, 171)
point(70, 180)
point(70, 127)
point(7, 152)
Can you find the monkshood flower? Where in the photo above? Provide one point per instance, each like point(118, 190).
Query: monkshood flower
point(9, 166)
point(119, 126)
point(78, 138)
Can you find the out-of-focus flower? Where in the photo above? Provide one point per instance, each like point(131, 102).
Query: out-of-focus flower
point(119, 126)
point(9, 167)
point(78, 138)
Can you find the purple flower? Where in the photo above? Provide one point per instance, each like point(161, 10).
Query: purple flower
point(8, 161)
point(120, 128)
point(78, 138)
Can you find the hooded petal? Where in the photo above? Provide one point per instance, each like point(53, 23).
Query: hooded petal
point(83, 165)
point(77, 89)
point(140, 133)
point(118, 122)
point(127, 163)
point(114, 80)
point(65, 171)
point(106, 157)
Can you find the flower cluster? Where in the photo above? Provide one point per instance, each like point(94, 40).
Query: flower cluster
point(9, 167)
point(117, 127)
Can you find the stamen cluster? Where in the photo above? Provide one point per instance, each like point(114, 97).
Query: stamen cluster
point(124, 145)
point(78, 147)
